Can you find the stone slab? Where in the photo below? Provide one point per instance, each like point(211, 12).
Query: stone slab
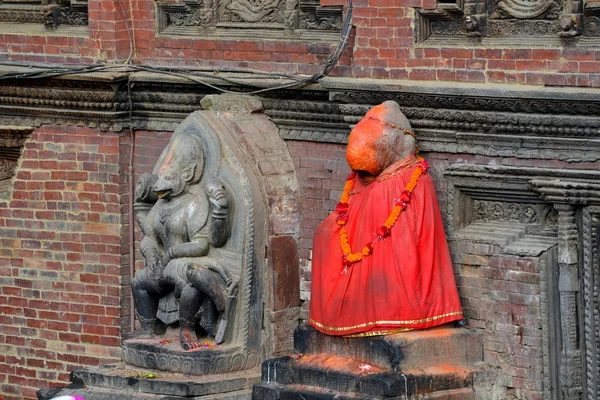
point(286, 272)
point(219, 359)
point(94, 393)
point(130, 379)
point(346, 375)
point(299, 392)
point(443, 345)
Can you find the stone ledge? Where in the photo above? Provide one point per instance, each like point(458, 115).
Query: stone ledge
point(130, 379)
point(403, 351)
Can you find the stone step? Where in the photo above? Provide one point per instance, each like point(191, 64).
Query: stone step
point(443, 345)
point(99, 393)
point(274, 391)
point(345, 375)
point(501, 233)
point(127, 380)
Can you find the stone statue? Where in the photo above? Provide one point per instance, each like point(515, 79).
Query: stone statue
point(181, 281)
point(381, 263)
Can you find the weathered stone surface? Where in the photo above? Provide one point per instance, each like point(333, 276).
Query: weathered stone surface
point(348, 377)
point(122, 381)
point(149, 353)
point(286, 272)
point(234, 103)
point(114, 394)
point(414, 365)
point(407, 350)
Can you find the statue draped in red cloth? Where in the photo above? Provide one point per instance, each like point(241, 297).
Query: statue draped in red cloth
point(381, 263)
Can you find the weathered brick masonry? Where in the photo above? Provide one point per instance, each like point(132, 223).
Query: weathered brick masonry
point(383, 45)
point(60, 260)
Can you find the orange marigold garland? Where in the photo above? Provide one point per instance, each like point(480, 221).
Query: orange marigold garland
point(384, 230)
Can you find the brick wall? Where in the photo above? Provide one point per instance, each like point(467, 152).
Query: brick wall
point(382, 46)
point(60, 260)
point(321, 170)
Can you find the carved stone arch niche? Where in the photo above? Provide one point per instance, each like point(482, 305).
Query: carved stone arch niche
point(12, 139)
point(244, 152)
point(266, 19)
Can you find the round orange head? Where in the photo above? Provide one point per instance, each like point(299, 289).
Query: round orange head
point(377, 140)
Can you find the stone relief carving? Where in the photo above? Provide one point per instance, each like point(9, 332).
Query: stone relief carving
point(526, 213)
point(507, 18)
point(184, 279)
point(272, 16)
point(51, 13)
point(526, 9)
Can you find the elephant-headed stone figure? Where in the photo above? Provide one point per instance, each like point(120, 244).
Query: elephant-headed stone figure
point(181, 280)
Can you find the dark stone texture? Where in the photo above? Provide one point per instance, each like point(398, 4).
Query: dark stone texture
point(265, 391)
point(148, 353)
point(113, 394)
point(121, 381)
point(433, 363)
point(414, 349)
point(344, 375)
point(286, 272)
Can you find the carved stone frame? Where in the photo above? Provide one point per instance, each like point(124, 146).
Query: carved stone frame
point(474, 23)
point(304, 20)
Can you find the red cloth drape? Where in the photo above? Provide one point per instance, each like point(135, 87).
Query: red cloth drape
point(408, 281)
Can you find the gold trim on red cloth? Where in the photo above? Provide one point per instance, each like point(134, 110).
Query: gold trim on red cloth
point(364, 325)
point(379, 333)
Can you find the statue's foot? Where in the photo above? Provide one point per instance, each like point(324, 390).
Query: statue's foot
point(140, 334)
point(188, 339)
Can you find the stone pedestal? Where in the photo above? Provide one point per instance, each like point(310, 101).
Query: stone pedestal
point(431, 364)
point(124, 382)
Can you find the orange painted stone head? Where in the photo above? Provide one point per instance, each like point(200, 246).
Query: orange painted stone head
point(383, 137)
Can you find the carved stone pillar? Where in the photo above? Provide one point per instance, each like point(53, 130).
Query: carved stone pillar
point(568, 286)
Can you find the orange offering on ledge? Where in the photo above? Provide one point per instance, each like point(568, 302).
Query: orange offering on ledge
point(381, 263)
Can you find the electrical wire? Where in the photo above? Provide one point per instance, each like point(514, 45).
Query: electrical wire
point(198, 75)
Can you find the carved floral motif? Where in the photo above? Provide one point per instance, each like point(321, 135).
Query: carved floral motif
point(510, 212)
